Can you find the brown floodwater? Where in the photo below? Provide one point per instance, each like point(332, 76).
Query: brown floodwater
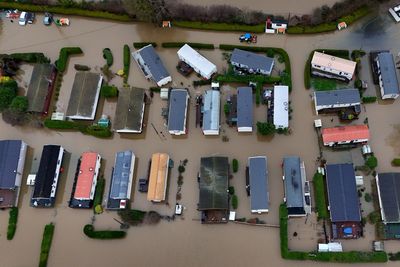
point(184, 242)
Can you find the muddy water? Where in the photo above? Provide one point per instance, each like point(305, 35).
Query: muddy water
point(184, 242)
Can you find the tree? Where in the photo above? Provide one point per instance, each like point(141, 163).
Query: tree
point(371, 162)
point(19, 103)
point(7, 94)
point(142, 9)
point(265, 128)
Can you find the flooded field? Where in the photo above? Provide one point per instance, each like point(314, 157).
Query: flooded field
point(184, 242)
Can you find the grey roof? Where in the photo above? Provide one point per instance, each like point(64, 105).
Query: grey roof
point(10, 151)
point(38, 89)
point(252, 60)
point(153, 62)
point(211, 107)
point(389, 193)
point(341, 96)
point(293, 184)
point(84, 95)
point(388, 73)
point(245, 107)
point(344, 204)
point(130, 110)
point(121, 175)
point(213, 183)
point(258, 175)
point(178, 101)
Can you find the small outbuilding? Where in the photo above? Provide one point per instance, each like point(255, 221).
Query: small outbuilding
point(258, 175)
point(199, 63)
point(252, 62)
point(281, 106)
point(177, 111)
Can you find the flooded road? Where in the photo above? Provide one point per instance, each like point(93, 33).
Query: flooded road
point(184, 242)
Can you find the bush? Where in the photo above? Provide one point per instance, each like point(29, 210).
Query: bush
point(193, 45)
point(107, 55)
point(12, 223)
point(46, 244)
point(54, 124)
point(181, 169)
point(19, 103)
point(201, 82)
point(132, 217)
point(80, 67)
point(235, 165)
point(396, 162)
point(320, 198)
point(394, 256)
point(109, 91)
point(139, 45)
point(369, 99)
point(98, 131)
point(226, 109)
point(155, 89)
point(231, 78)
point(371, 162)
point(98, 195)
point(127, 62)
point(235, 202)
point(30, 57)
point(374, 217)
point(89, 231)
point(368, 197)
point(259, 28)
point(358, 84)
point(65, 53)
point(357, 54)
point(265, 128)
point(6, 97)
point(231, 190)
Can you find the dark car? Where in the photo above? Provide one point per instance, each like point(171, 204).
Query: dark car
point(30, 17)
point(143, 185)
point(48, 19)
point(247, 182)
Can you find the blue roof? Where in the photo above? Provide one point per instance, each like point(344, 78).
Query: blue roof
point(10, 151)
point(252, 60)
point(388, 73)
point(336, 97)
point(344, 204)
point(244, 107)
point(178, 101)
point(211, 106)
point(293, 184)
point(258, 175)
point(121, 175)
point(154, 63)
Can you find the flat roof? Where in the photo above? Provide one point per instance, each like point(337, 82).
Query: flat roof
point(38, 89)
point(177, 112)
point(337, 97)
point(197, 61)
point(211, 106)
point(333, 62)
point(293, 183)
point(153, 62)
point(121, 179)
point(130, 110)
point(389, 196)
point(158, 177)
point(45, 176)
point(87, 175)
point(252, 60)
point(213, 183)
point(10, 154)
point(244, 107)
point(345, 133)
point(258, 174)
point(344, 204)
point(388, 73)
point(281, 106)
point(84, 96)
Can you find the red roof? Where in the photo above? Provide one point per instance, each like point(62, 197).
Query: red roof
point(345, 133)
point(86, 175)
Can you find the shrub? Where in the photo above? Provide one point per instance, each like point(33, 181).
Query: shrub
point(107, 55)
point(19, 103)
point(201, 82)
point(231, 190)
point(6, 97)
point(226, 108)
point(357, 54)
point(132, 217)
point(109, 91)
point(235, 165)
point(12, 223)
point(396, 162)
point(127, 62)
point(55, 124)
point(320, 198)
point(98, 195)
point(155, 89)
point(307, 71)
point(394, 256)
point(139, 45)
point(98, 131)
point(46, 244)
point(235, 202)
point(30, 57)
point(181, 169)
point(80, 67)
point(374, 217)
point(65, 53)
point(368, 197)
point(193, 45)
point(265, 128)
point(371, 162)
point(358, 84)
point(369, 99)
point(89, 231)
point(259, 28)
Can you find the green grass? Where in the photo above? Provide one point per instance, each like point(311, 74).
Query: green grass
point(12, 223)
point(320, 198)
point(193, 45)
point(46, 244)
point(259, 28)
point(323, 84)
point(89, 231)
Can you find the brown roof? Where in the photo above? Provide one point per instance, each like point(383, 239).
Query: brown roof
point(158, 177)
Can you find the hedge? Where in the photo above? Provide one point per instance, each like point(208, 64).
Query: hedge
point(65, 11)
point(46, 244)
point(193, 45)
point(127, 62)
point(259, 28)
point(62, 125)
point(98, 131)
point(109, 91)
point(98, 195)
point(229, 78)
point(139, 45)
point(81, 67)
point(201, 82)
point(396, 162)
point(107, 55)
point(65, 52)
point(320, 198)
point(94, 130)
point(30, 57)
point(89, 231)
point(235, 165)
point(369, 99)
point(12, 223)
point(235, 202)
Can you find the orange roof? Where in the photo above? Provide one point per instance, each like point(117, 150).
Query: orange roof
point(345, 133)
point(87, 173)
point(158, 177)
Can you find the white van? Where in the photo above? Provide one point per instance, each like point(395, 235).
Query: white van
point(22, 19)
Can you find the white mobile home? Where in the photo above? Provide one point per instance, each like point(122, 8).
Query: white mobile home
point(200, 64)
point(281, 106)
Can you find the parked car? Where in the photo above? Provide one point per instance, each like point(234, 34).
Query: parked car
point(30, 17)
point(48, 19)
point(62, 22)
point(22, 19)
point(143, 185)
